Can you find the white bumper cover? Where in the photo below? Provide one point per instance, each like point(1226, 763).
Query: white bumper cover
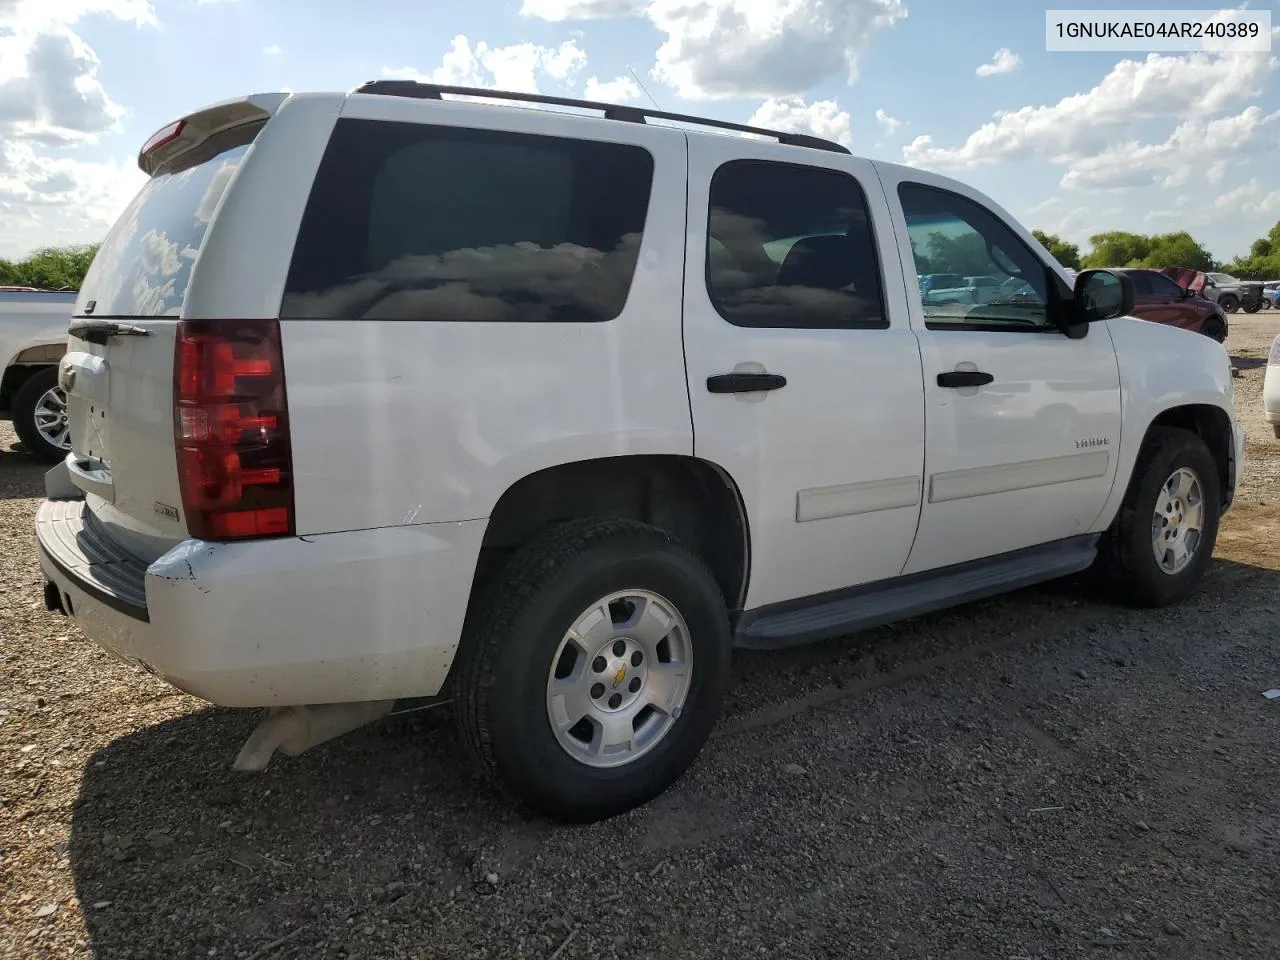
point(358, 616)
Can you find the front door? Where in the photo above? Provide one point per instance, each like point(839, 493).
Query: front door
point(792, 274)
point(1022, 424)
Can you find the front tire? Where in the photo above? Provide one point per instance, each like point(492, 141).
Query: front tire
point(592, 668)
point(1159, 545)
point(1230, 303)
point(40, 416)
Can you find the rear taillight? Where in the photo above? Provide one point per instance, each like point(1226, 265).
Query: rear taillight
point(231, 429)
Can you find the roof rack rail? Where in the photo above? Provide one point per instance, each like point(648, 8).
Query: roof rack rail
point(612, 111)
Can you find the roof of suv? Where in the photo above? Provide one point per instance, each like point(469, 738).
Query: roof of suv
point(629, 114)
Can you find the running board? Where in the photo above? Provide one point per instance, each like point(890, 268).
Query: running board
point(847, 611)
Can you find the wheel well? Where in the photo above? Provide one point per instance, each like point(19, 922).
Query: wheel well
point(1212, 425)
point(691, 499)
point(14, 377)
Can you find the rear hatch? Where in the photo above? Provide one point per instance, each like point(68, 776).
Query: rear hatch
point(127, 434)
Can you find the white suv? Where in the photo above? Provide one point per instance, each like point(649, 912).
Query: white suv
point(387, 395)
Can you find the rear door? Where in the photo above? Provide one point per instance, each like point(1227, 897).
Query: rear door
point(792, 275)
point(118, 370)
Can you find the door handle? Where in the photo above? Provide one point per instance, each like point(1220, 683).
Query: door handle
point(745, 382)
point(964, 378)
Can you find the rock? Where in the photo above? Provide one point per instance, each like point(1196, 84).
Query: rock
point(1172, 929)
point(1142, 825)
point(48, 910)
point(1082, 674)
point(395, 889)
point(491, 879)
point(101, 904)
point(794, 770)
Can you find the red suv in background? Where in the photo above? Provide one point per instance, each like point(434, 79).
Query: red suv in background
point(1158, 298)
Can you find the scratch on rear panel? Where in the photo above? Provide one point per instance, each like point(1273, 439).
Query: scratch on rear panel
point(412, 515)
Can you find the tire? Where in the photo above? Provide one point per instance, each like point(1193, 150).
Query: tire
point(516, 629)
point(1127, 567)
point(1215, 327)
point(25, 404)
point(1229, 303)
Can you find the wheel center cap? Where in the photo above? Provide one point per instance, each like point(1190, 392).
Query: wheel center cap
point(617, 673)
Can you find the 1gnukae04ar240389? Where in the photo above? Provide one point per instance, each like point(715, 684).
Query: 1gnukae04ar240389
point(546, 412)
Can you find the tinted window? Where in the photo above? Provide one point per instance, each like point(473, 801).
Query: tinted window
point(1142, 283)
point(1162, 286)
point(414, 222)
point(791, 246)
point(144, 264)
point(1006, 286)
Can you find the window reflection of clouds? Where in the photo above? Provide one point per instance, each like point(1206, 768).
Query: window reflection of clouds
point(508, 282)
point(144, 265)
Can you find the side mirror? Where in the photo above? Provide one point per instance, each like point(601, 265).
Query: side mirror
point(1102, 295)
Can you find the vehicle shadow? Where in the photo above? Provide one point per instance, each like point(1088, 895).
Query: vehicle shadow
point(21, 474)
point(388, 836)
point(1248, 363)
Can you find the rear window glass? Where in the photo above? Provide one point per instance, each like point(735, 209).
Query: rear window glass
point(144, 265)
point(410, 221)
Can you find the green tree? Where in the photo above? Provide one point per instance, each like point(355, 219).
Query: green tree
point(1177, 250)
point(1117, 248)
point(1263, 261)
point(966, 254)
point(51, 268)
point(1067, 254)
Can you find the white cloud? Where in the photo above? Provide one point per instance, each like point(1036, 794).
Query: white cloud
point(722, 49)
point(25, 16)
point(48, 201)
point(558, 10)
point(1005, 61)
point(1194, 85)
point(50, 95)
point(618, 90)
point(1250, 199)
point(516, 67)
point(1192, 151)
point(890, 124)
point(272, 50)
point(823, 118)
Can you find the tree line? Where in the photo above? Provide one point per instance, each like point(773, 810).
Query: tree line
point(52, 268)
point(63, 268)
point(1118, 248)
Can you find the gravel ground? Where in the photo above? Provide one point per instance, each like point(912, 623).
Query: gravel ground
point(1040, 776)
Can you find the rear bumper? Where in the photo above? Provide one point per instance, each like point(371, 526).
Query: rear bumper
point(358, 616)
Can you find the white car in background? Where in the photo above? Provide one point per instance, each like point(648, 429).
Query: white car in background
point(33, 338)
point(1271, 388)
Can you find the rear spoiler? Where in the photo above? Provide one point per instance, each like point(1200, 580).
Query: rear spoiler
point(186, 134)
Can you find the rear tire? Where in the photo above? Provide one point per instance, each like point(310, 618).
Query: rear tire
point(37, 407)
point(1216, 328)
point(517, 701)
point(1160, 543)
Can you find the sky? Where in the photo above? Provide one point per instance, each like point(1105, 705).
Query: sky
point(1070, 143)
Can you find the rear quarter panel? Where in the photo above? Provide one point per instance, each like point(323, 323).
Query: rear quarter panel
point(410, 422)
